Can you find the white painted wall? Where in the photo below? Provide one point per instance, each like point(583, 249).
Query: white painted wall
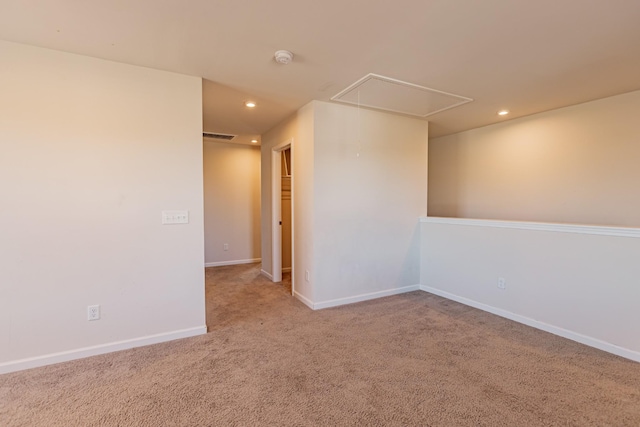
point(302, 158)
point(370, 181)
point(359, 185)
point(355, 217)
point(572, 165)
point(298, 127)
point(577, 282)
point(285, 209)
point(92, 152)
point(231, 203)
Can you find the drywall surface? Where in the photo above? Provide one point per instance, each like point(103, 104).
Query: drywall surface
point(299, 129)
point(92, 152)
point(370, 181)
point(359, 184)
point(577, 282)
point(572, 165)
point(302, 159)
point(231, 203)
point(285, 209)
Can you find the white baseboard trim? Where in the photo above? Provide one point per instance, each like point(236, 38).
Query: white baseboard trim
point(266, 274)
point(234, 262)
point(556, 330)
point(65, 356)
point(364, 297)
point(306, 301)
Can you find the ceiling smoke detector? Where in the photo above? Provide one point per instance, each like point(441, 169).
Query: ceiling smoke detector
point(283, 57)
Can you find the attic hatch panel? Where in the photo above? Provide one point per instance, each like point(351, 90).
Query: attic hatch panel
point(385, 93)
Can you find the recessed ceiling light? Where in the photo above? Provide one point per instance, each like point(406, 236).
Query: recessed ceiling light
point(250, 104)
point(503, 112)
point(254, 141)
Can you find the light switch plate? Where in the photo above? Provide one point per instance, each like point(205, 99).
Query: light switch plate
point(175, 217)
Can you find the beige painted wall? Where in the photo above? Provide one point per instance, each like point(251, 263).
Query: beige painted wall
point(231, 202)
point(92, 152)
point(572, 165)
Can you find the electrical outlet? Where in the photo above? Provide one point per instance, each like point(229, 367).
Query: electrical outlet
point(225, 246)
point(306, 276)
point(93, 312)
point(502, 283)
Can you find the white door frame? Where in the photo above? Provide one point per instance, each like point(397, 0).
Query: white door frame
point(276, 212)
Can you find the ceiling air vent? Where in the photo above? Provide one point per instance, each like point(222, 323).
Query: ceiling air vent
point(222, 136)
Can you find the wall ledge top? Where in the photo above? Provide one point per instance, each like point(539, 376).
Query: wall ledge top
point(537, 226)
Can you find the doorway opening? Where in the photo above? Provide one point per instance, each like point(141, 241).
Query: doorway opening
point(282, 199)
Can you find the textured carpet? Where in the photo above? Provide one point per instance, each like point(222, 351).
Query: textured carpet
point(408, 360)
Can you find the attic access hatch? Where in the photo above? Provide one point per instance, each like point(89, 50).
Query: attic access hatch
point(385, 93)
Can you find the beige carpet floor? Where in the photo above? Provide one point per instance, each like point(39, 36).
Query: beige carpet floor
point(408, 360)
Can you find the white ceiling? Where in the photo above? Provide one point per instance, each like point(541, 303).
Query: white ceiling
point(523, 55)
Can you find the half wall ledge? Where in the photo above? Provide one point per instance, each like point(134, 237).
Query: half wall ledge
point(538, 226)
